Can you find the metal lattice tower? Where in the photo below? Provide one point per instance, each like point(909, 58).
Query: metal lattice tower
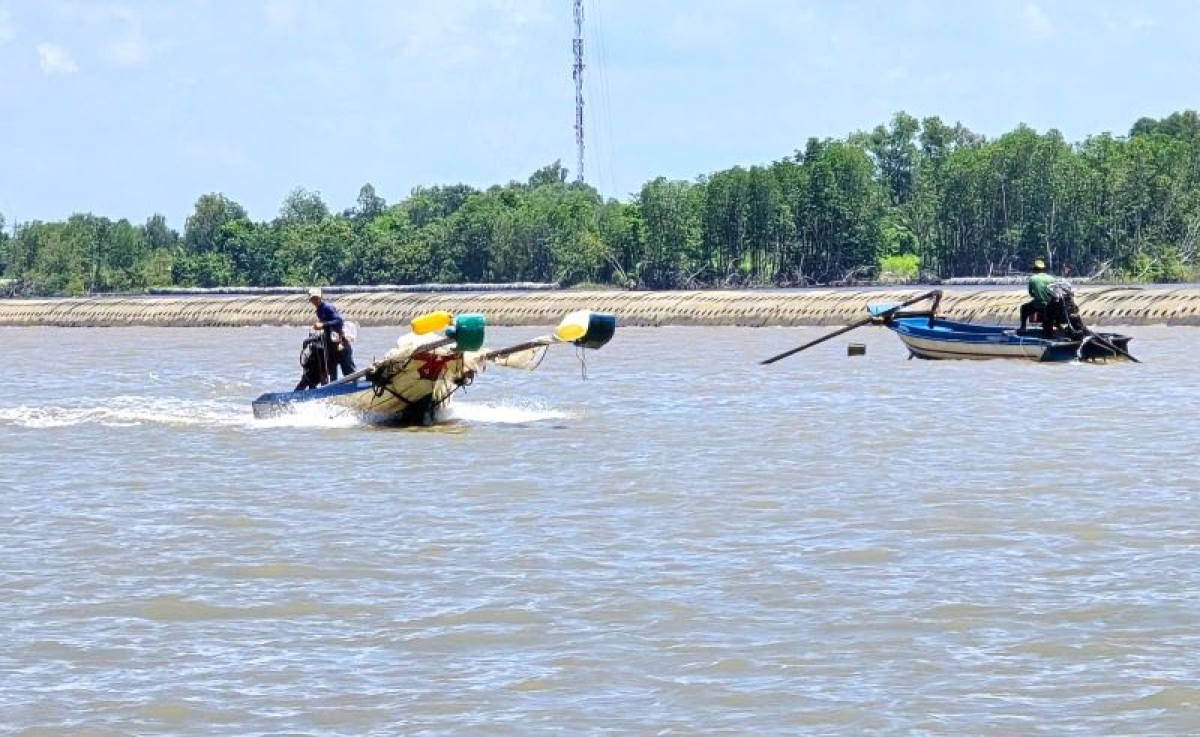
point(577, 75)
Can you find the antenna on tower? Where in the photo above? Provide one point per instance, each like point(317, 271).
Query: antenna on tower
point(577, 75)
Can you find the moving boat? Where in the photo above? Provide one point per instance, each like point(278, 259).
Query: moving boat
point(441, 354)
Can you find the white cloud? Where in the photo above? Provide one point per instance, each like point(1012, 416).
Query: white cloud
point(1126, 24)
point(1035, 23)
point(128, 45)
point(461, 32)
point(281, 13)
point(54, 59)
point(129, 50)
point(7, 32)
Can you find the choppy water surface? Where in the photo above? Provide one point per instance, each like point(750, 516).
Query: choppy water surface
point(683, 543)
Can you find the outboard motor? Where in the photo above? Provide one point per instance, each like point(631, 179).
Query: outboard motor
point(1062, 310)
point(312, 362)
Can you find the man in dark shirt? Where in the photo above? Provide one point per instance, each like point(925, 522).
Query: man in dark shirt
point(338, 352)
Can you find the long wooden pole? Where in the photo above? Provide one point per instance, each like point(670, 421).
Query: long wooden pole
point(882, 315)
point(535, 343)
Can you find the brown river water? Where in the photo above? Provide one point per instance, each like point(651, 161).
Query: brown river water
point(683, 542)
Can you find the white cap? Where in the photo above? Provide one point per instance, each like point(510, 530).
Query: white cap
point(314, 292)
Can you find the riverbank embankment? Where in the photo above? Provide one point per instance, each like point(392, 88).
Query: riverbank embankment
point(1099, 305)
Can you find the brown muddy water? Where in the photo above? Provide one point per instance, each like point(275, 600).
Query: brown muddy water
point(684, 542)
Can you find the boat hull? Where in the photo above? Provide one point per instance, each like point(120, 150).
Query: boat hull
point(408, 393)
point(443, 353)
point(940, 339)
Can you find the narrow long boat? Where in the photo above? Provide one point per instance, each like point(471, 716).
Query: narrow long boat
point(442, 354)
point(939, 338)
point(930, 336)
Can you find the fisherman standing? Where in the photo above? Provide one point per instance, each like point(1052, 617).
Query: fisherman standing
point(338, 351)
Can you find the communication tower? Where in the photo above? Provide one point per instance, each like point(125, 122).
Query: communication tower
point(577, 74)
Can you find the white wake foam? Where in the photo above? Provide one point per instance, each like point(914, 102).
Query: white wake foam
point(503, 413)
point(312, 414)
point(132, 411)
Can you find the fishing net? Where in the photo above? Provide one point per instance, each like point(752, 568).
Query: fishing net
point(527, 360)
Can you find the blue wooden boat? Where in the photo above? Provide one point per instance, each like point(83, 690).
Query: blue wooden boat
point(939, 338)
point(927, 335)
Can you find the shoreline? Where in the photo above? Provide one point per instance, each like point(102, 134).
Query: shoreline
point(1099, 305)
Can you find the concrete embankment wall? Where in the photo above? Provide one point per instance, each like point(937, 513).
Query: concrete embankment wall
point(757, 308)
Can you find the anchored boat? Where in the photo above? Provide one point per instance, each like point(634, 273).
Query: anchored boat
point(928, 335)
point(441, 354)
point(939, 338)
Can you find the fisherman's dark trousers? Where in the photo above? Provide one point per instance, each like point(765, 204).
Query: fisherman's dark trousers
point(343, 359)
point(1052, 315)
point(1032, 309)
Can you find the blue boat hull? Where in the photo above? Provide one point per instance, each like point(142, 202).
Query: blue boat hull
point(404, 389)
point(360, 398)
point(938, 338)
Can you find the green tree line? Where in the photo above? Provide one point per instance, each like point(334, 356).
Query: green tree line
point(909, 200)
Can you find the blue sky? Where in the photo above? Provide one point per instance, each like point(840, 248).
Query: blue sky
point(126, 108)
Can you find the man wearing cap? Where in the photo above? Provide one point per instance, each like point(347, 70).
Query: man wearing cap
point(1039, 289)
point(339, 352)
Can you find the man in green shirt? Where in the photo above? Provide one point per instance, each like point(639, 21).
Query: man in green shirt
point(1039, 288)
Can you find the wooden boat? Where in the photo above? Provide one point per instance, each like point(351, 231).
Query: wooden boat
point(442, 354)
point(939, 338)
point(930, 336)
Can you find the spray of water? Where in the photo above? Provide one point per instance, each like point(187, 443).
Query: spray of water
point(133, 411)
point(503, 413)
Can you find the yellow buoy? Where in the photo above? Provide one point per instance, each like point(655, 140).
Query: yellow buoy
point(431, 322)
point(574, 326)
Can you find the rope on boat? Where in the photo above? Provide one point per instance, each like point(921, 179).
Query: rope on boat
point(1079, 350)
point(581, 354)
point(467, 381)
point(381, 373)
